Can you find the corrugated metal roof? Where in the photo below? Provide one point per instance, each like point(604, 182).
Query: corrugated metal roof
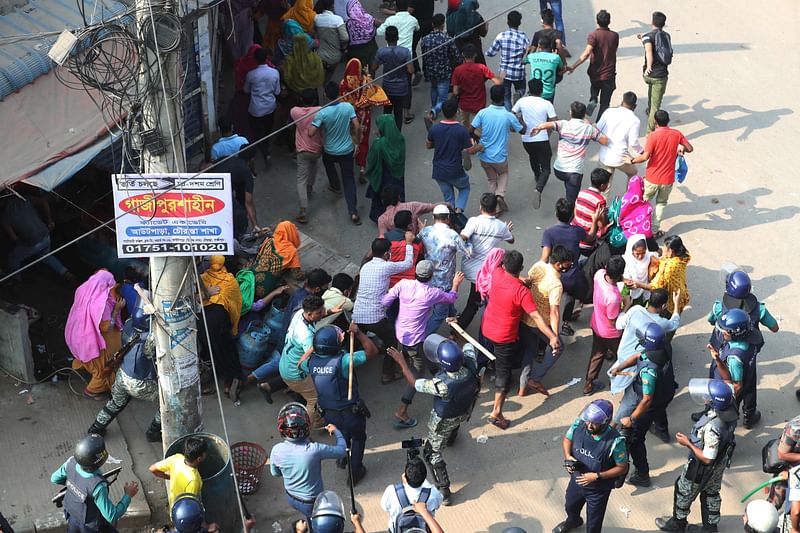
point(24, 61)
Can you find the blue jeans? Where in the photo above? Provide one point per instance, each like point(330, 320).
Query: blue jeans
point(304, 508)
point(447, 186)
point(518, 85)
point(269, 368)
point(23, 251)
point(572, 184)
point(555, 5)
point(627, 405)
point(440, 312)
point(439, 92)
point(532, 339)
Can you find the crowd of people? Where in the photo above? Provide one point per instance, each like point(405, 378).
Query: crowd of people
point(603, 251)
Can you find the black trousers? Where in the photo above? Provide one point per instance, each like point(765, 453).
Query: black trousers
point(539, 155)
point(637, 448)
point(596, 501)
point(354, 430)
point(473, 304)
point(262, 126)
point(602, 89)
point(396, 108)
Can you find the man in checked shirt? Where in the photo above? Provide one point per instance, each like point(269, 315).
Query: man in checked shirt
point(511, 44)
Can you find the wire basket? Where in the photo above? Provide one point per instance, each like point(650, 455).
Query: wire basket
point(249, 459)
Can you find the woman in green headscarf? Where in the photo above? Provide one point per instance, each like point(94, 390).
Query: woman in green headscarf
point(386, 164)
point(464, 23)
point(302, 68)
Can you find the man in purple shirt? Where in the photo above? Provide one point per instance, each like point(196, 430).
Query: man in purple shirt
point(417, 298)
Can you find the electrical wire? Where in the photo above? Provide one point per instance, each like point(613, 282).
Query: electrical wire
point(179, 182)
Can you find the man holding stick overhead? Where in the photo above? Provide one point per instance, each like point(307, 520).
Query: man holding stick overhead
point(337, 394)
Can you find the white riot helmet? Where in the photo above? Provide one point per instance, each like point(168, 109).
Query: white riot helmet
point(761, 516)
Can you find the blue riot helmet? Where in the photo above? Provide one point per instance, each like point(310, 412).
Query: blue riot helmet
point(735, 322)
point(187, 514)
point(328, 340)
point(450, 356)
point(328, 513)
point(598, 412)
point(738, 285)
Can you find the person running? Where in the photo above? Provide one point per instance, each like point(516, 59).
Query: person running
point(601, 49)
point(495, 123)
point(439, 57)
point(395, 78)
point(546, 65)
point(657, 57)
point(512, 45)
point(469, 84)
point(452, 146)
point(575, 135)
point(589, 202)
point(342, 132)
point(663, 146)
point(533, 109)
point(483, 232)
point(621, 126)
point(555, 12)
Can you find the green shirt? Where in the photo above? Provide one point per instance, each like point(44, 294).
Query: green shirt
point(299, 340)
point(649, 376)
point(733, 362)
point(765, 318)
point(619, 452)
point(544, 66)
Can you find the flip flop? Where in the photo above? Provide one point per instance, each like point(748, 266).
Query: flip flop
point(302, 219)
point(538, 387)
point(405, 424)
point(501, 423)
point(596, 386)
point(409, 119)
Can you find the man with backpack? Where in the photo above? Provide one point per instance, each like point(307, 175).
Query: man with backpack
point(657, 57)
point(398, 499)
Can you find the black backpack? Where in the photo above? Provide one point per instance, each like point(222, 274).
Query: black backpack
point(408, 517)
point(662, 46)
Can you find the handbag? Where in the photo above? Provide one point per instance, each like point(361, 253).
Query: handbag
point(770, 463)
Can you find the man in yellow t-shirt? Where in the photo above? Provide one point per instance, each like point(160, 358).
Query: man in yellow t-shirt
point(181, 470)
point(544, 280)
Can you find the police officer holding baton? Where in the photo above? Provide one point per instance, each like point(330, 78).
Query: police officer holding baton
point(455, 388)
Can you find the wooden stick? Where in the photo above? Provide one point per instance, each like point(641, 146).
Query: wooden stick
point(350, 368)
point(469, 338)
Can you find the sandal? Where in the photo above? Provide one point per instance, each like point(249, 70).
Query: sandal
point(302, 219)
point(538, 387)
point(355, 219)
point(501, 423)
point(659, 234)
point(405, 424)
point(408, 119)
point(594, 386)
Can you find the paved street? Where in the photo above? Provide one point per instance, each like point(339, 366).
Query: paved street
point(732, 92)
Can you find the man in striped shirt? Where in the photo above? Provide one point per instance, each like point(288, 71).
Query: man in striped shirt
point(575, 135)
point(587, 204)
point(511, 44)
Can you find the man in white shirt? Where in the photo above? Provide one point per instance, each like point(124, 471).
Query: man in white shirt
point(534, 109)
point(621, 126)
point(413, 483)
point(483, 232)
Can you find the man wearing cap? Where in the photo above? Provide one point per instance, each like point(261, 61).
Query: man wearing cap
point(653, 388)
point(442, 244)
point(595, 456)
point(417, 298)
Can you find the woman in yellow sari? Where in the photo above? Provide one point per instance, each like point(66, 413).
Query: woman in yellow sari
point(671, 274)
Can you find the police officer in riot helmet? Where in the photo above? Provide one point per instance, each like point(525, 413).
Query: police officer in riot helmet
point(734, 361)
point(596, 458)
point(739, 295)
point(87, 505)
point(328, 367)
point(188, 516)
point(455, 388)
point(653, 387)
point(137, 377)
point(328, 515)
point(710, 445)
point(760, 516)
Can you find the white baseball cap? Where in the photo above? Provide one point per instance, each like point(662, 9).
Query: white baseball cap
point(441, 209)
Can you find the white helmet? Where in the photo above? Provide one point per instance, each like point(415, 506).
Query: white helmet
point(762, 516)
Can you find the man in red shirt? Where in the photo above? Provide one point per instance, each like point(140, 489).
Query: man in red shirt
point(508, 299)
point(469, 84)
point(664, 145)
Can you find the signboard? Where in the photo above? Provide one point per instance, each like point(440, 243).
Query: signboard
point(173, 214)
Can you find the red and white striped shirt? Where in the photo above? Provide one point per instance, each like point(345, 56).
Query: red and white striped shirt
point(585, 205)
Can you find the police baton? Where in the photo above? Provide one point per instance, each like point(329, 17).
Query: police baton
point(350, 478)
point(350, 375)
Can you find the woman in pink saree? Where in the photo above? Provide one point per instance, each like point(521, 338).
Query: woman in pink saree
point(636, 214)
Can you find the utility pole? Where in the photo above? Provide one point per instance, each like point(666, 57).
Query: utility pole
point(172, 278)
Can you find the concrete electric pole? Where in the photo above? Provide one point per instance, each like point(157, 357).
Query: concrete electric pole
point(172, 278)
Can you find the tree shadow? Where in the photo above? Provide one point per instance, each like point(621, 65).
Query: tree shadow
point(747, 120)
point(679, 49)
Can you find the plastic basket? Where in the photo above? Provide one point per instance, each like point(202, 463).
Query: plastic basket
point(249, 459)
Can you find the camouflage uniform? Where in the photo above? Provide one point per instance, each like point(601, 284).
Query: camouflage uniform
point(125, 388)
point(443, 431)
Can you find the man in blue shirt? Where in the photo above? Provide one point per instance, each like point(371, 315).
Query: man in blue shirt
point(495, 123)
point(342, 133)
point(87, 505)
point(228, 143)
point(263, 84)
point(298, 460)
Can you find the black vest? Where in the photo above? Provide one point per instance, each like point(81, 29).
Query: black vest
point(726, 434)
point(460, 392)
point(594, 455)
point(326, 372)
point(752, 307)
point(748, 358)
point(665, 382)
point(79, 503)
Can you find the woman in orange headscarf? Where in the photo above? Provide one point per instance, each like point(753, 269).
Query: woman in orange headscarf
point(355, 89)
point(277, 255)
point(303, 12)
